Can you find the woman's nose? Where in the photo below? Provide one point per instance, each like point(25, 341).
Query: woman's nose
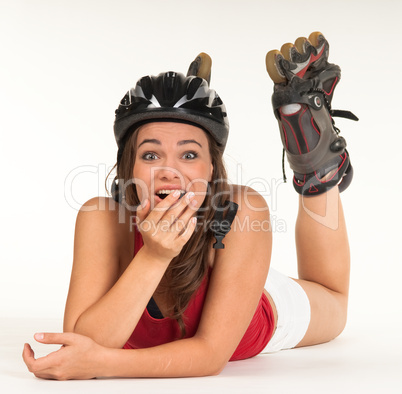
point(167, 172)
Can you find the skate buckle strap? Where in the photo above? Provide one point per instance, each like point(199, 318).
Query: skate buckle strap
point(343, 114)
point(339, 113)
point(220, 226)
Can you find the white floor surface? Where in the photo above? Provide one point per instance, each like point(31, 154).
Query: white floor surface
point(356, 362)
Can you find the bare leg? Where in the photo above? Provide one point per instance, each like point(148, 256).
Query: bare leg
point(323, 264)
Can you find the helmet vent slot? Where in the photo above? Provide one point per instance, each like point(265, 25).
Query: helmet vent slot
point(146, 85)
point(193, 87)
point(169, 80)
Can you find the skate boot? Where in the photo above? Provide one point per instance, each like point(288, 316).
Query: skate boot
point(303, 91)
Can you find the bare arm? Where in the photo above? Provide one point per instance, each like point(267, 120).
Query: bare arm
point(235, 288)
point(237, 282)
point(100, 304)
point(184, 358)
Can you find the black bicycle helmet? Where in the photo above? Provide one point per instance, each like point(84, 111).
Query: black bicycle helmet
point(172, 96)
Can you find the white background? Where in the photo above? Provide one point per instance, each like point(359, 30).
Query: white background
point(65, 65)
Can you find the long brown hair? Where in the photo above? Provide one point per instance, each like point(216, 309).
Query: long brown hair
point(187, 270)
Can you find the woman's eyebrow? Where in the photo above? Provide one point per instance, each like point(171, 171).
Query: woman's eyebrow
point(183, 142)
point(152, 141)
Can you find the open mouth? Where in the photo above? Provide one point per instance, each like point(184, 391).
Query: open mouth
point(162, 194)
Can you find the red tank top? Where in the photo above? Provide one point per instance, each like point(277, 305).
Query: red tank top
point(151, 332)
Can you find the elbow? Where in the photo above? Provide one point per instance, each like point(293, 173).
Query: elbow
point(78, 328)
point(73, 325)
point(212, 369)
point(213, 357)
point(99, 336)
point(216, 363)
point(218, 369)
point(69, 325)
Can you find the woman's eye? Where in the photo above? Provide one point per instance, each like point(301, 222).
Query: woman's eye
point(190, 155)
point(149, 156)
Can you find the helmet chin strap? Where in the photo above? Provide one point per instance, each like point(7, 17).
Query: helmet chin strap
point(221, 226)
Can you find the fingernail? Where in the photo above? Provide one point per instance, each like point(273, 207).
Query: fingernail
point(194, 203)
point(194, 220)
point(190, 196)
point(39, 336)
point(176, 193)
point(144, 203)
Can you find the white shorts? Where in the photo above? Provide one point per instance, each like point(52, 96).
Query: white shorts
point(293, 307)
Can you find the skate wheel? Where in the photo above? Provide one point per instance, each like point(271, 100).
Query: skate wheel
point(272, 67)
point(205, 66)
point(302, 44)
point(315, 38)
point(286, 51)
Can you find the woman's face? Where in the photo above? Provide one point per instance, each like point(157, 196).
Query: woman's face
point(171, 156)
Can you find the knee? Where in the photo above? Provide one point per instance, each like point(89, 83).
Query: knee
point(340, 316)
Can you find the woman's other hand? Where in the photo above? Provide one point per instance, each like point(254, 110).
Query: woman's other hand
point(79, 357)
